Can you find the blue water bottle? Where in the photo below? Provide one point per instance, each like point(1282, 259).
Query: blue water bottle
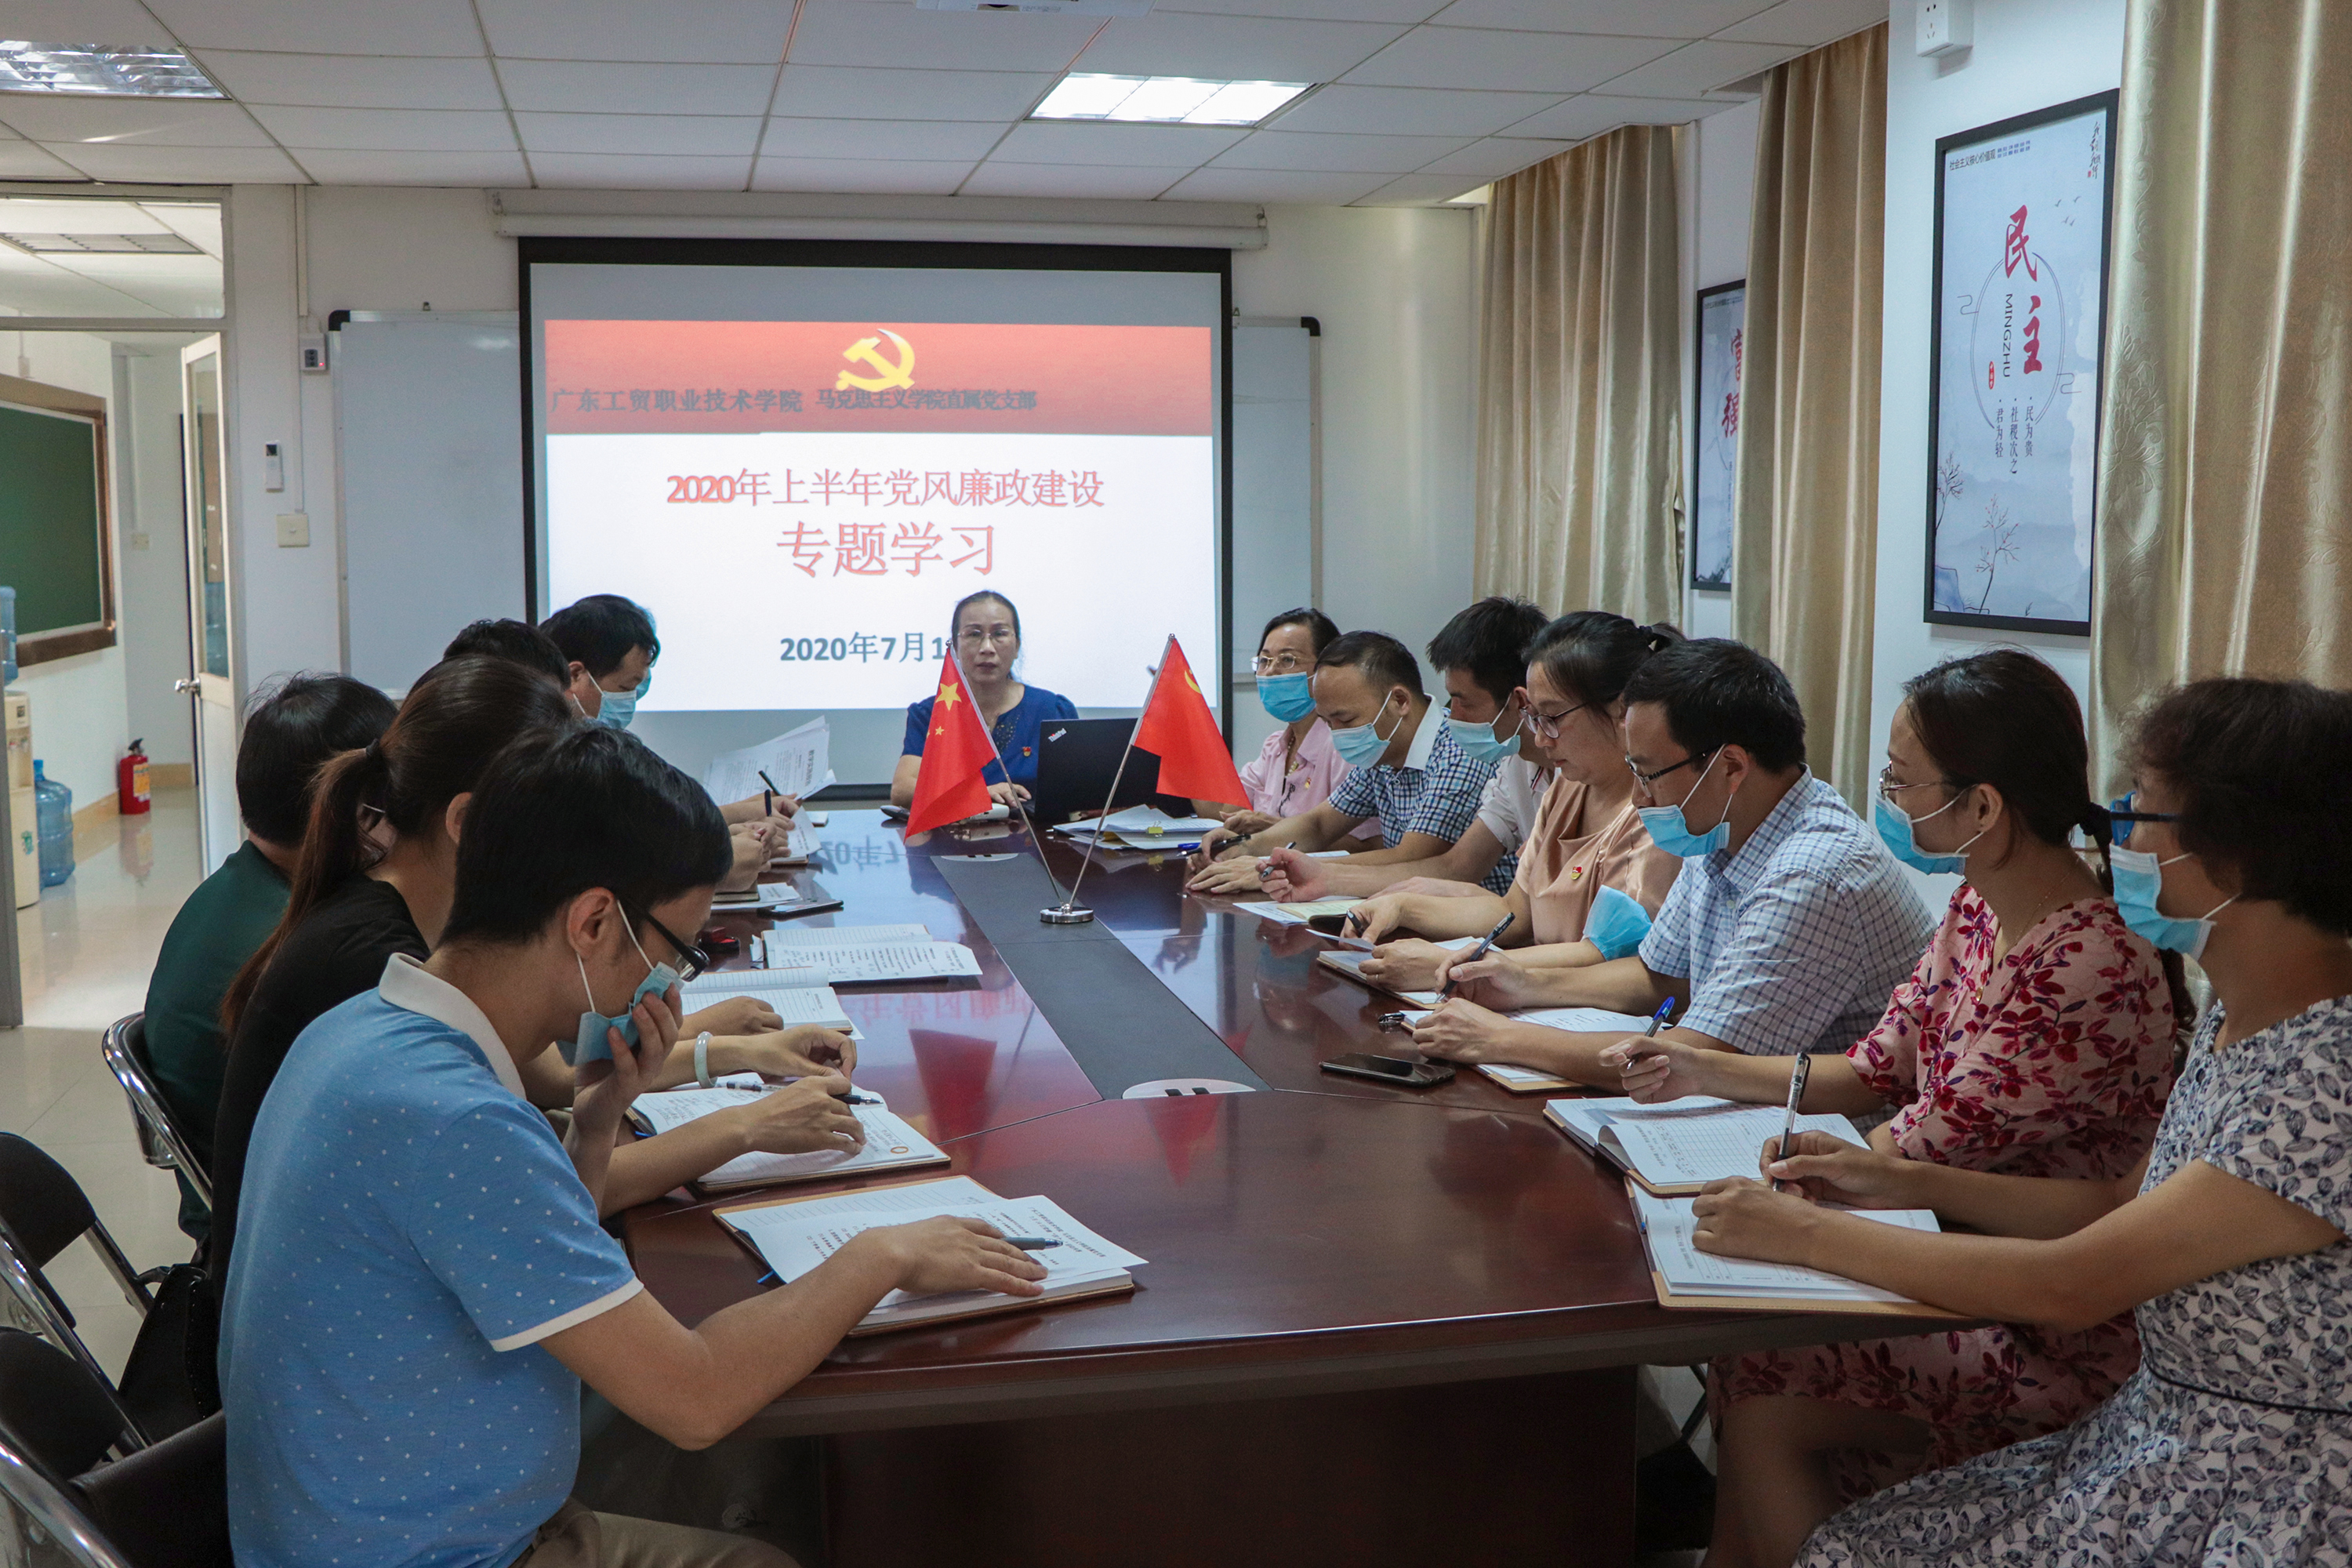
point(53, 808)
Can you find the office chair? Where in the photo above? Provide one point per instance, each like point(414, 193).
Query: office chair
point(124, 1046)
point(165, 1506)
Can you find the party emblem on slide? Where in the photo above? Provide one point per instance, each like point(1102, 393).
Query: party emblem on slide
point(868, 351)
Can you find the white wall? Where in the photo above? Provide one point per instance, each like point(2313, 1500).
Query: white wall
point(1719, 181)
point(153, 589)
point(2029, 55)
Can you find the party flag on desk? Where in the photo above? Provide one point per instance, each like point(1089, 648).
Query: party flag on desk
point(1177, 728)
point(955, 750)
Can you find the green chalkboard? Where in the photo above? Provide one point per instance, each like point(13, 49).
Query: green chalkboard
point(51, 528)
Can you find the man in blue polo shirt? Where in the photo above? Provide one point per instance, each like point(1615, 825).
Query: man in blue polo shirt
point(421, 1285)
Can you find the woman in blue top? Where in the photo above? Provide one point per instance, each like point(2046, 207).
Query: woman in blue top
point(987, 631)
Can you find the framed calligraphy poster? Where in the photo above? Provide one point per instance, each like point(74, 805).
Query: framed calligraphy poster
point(2022, 219)
point(1722, 322)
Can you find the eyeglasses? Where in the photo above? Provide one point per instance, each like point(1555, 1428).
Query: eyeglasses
point(1283, 663)
point(1546, 726)
point(2127, 809)
point(1890, 789)
point(1646, 780)
point(692, 960)
point(977, 636)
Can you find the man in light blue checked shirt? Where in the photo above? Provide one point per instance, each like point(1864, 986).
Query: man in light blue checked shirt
point(1788, 927)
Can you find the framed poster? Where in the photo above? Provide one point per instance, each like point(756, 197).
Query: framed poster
point(2014, 367)
point(1722, 322)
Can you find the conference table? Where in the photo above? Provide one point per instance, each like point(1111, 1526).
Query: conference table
point(1379, 1324)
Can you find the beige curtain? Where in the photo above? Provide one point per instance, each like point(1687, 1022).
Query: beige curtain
point(2224, 539)
point(1580, 431)
point(1805, 506)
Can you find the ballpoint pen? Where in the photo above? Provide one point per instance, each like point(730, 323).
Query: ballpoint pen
point(1796, 1076)
point(1033, 1243)
point(1479, 951)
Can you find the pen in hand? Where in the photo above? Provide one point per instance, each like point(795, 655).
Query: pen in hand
point(1034, 1242)
point(1479, 951)
point(1796, 1076)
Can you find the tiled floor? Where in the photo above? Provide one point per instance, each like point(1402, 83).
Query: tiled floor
point(87, 947)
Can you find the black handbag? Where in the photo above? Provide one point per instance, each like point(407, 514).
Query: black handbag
point(172, 1378)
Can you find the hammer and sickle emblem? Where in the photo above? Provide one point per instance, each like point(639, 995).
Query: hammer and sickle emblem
point(868, 351)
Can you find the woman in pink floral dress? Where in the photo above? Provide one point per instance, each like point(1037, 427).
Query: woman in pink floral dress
point(2035, 1039)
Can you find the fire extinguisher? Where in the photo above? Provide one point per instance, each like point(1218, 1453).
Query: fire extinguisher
point(130, 782)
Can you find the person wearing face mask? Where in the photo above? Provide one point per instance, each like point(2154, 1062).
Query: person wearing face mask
point(1589, 882)
point(411, 1216)
point(2036, 1038)
point(1295, 769)
point(1408, 773)
point(2233, 1441)
point(1481, 655)
point(1788, 926)
point(987, 633)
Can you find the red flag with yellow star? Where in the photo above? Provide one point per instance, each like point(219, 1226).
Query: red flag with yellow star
point(955, 750)
point(1177, 728)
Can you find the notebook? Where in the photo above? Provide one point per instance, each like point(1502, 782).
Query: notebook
point(891, 1144)
point(792, 1236)
point(796, 997)
point(872, 963)
point(1686, 1277)
point(1349, 961)
point(1297, 914)
point(1675, 1148)
point(798, 846)
point(845, 936)
point(1582, 1020)
point(776, 898)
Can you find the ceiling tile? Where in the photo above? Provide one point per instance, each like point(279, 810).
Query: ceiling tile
point(848, 33)
point(869, 175)
point(410, 27)
point(630, 172)
point(865, 92)
point(68, 215)
point(344, 166)
point(1494, 157)
point(1248, 49)
point(938, 141)
point(1411, 110)
point(698, 135)
point(32, 287)
point(1093, 180)
point(153, 121)
point(390, 130)
point(722, 32)
point(187, 165)
point(1126, 146)
point(1420, 191)
point(1629, 19)
point(116, 22)
point(1696, 68)
point(609, 88)
point(1400, 11)
point(1809, 23)
point(1337, 154)
point(1523, 62)
point(1273, 185)
point(22, 160)
point(1591, 113)
point(353, 82)
point(198, 223)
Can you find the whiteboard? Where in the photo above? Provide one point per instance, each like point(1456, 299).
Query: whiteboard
point(428, 433)
point(428, 441)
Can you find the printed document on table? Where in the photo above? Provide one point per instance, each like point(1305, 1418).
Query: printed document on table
point(1670, 1147)
point(788, 991)
point(890, 1142)
point(796, 760)
point(1297, 914)
point(897, 960)
point(1668, 1224)
point(845, 936)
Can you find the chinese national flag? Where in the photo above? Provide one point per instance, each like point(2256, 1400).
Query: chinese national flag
point(1177, 728)
point(957, 748)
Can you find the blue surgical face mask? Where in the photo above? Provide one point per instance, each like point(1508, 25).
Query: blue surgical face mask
point(619, 707)
point(591, 1045)
point(1616, 923)
point(1671, 832)
point(1288, 697)
point(1361, 745)
point(2139, 883)
point(1895, 830)
point(1477, 740)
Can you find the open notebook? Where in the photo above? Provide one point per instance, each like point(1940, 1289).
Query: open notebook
point(1686, 1277)
point(1676, 1147)
point(871, 963)
point(797, 996)
point(1348, 959)
point(792, 1236)
point(776, 898)
point(890, 1144)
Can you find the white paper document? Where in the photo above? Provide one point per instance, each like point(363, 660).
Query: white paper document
point(798, 936)
point(1140, 824)
point(767, 896)
point(795, 759)
point(878, 963)
point(1297, 914)
point(1585, 1020)
point(890, 1142)
point(797, 850)
point(1668, 1224)
point(1670, 1149)
point(788, 991)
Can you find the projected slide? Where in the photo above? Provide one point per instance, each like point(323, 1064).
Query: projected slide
point(802, 503)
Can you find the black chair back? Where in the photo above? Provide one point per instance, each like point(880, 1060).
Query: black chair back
point(40, 1203)
point(166, 1506)
point(61, 1417)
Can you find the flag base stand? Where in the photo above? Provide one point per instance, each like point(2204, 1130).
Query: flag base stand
point(1067, 915)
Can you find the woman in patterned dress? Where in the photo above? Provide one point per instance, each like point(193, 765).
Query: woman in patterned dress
point(2232, 1443)
point(2036, 1038)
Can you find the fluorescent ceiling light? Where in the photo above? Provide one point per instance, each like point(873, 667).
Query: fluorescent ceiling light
point(102, 244)
point(97, 70)
point(1165, 100)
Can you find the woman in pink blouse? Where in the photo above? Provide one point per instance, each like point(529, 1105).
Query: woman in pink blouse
point(2034, 1038)
point(1296, 770)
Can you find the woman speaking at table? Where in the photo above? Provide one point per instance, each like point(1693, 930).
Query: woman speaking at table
point(987, 632)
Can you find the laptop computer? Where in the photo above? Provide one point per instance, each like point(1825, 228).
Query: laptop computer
point(1075, 759)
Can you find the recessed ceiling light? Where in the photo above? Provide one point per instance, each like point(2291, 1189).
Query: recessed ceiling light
point(102, 244)
point(98, 70)
point(1165, 100)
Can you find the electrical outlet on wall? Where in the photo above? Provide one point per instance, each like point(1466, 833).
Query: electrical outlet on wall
point(1945, 26)
point(293, 530)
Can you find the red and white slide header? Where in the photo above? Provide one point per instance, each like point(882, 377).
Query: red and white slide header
point(610, 377)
